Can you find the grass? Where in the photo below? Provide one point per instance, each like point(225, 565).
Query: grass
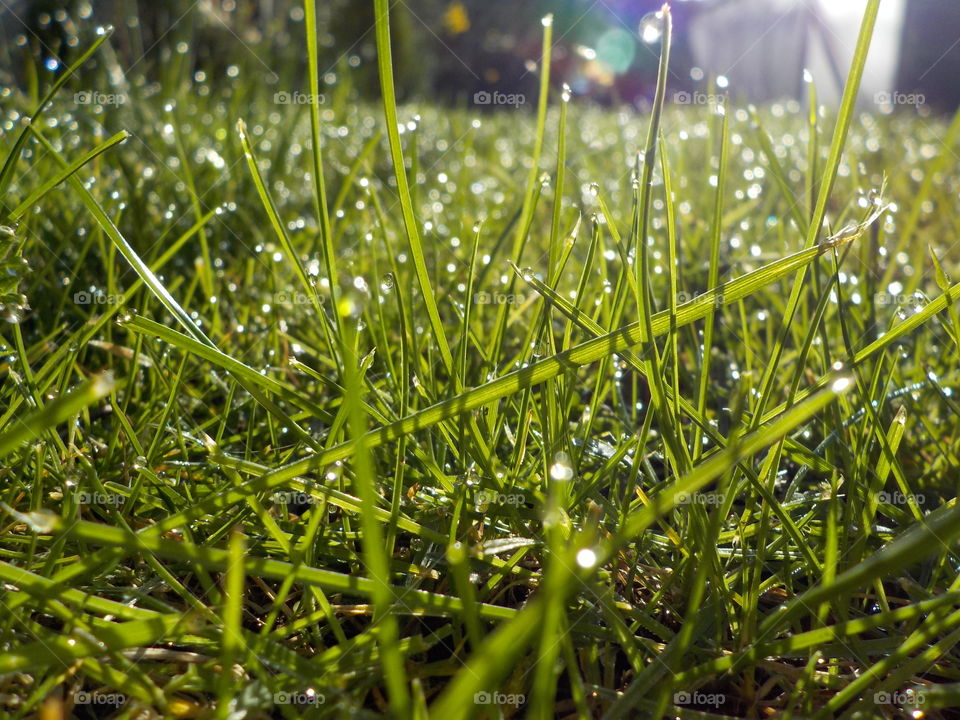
point(316, 410)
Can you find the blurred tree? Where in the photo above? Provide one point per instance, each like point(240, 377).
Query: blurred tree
point(930, 52)
point(352, 33)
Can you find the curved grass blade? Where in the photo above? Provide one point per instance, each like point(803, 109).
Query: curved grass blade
point(53, 413)
point(38, 194)
point(414, 601)
point(161, 292)
point(385, 60)
point(6, 173)
point(536, 373)
point(938, 529)
point(61, 650)
point(319, 183)
point(847, 110)
point(228, 363)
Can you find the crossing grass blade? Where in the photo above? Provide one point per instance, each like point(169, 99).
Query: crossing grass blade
point(13, 155)
point(21, 430)
point(319, 182)
point(415, 601)
point(34, 197)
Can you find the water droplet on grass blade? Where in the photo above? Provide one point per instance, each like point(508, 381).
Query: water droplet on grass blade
point(586, 558)
point(41, 521)
point(127, 317)
point(561, 470)
point(651, 27)
point(842, 384)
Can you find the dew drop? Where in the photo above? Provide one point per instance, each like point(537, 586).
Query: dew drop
point(561, 470)
point(651, 27)
point(41, 521)
point(386, 283)
point(586, 558)
point(127, 317)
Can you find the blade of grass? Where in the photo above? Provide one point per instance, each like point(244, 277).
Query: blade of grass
point(374, 554)
point(713, 279)
point(6, 172)
point(385, 61)
point(34, 426)
point(319, 183)
point(847, 110)
point(34, 197)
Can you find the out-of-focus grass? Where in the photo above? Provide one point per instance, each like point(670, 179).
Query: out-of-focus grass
point(591, 483)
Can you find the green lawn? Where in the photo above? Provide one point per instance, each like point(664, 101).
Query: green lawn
point(593, 413)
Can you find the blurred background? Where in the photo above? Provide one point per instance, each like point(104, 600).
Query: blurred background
point(450, 51)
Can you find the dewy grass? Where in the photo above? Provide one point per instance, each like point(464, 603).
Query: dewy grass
point(401, 410)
